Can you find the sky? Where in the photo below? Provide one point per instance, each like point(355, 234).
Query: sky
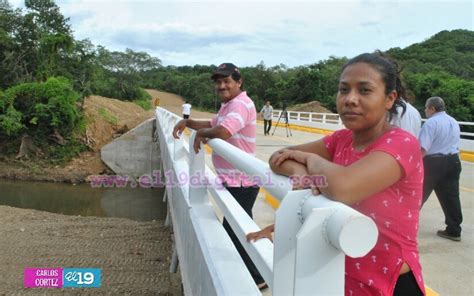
point(246, 33)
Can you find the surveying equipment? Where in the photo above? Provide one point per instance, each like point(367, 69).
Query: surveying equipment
point(284, 115)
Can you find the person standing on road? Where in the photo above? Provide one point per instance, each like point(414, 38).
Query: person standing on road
point(267, 114)
point(186, 110)
point(235, 123)
point(439, 140)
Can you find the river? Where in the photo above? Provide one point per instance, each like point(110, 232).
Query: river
point(140, 204)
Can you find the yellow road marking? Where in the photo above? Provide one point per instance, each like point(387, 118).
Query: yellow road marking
point(466, 155)
point(430, 292)
point(466, 189)
point(463, 154)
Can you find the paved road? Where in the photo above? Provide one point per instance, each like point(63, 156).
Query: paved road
point(447, 266)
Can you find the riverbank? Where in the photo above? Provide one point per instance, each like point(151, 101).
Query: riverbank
point(76, 171)
point(134, 256)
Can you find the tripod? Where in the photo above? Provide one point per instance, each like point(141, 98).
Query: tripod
point(283, 114)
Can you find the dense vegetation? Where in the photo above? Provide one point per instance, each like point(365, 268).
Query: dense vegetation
point(442, 66)
point(45, 74)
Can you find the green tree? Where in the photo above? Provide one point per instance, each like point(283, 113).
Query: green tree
point(11, 64)
point(124, 69)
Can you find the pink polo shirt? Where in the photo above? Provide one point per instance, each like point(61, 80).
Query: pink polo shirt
point(395, 211)
point(239, 117)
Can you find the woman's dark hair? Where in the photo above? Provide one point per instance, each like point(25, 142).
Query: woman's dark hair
point(390, 72)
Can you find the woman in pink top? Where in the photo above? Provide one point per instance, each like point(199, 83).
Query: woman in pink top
point(373, 167)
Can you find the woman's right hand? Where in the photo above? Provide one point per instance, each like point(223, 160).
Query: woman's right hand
point(285, 154)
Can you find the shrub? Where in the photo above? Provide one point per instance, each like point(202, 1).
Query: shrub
point(39, 108)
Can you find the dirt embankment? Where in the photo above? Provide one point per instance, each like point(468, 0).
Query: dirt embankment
point(106, 119)
point(313, 106)
point(174, 104)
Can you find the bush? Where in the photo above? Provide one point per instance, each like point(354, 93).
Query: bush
point(39, 109)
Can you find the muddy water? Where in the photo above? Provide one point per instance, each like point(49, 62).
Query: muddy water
point(139, 204)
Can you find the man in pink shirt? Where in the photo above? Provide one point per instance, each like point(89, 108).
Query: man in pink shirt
point(235, 123)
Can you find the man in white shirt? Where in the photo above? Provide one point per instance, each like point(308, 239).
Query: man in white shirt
point(186, 110)
point(409, 121)
point(267, 114)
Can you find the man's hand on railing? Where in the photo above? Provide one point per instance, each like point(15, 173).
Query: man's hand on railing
point(264, 233)
point(179, 128)
point(197, 142)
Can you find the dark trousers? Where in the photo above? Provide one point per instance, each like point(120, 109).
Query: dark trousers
point(246, 197)
point(407, 286)
point(185, 116)
point(442, 174)
point(267, 125)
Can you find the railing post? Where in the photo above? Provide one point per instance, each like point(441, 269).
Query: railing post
point(196, 178)
point(312, 237)
point(298, 116)
point(310, 117)
point(287, 225)
point(178, 148)
point(319, 267)
point(324, 117)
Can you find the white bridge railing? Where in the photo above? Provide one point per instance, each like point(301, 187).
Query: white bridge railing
point(333, 118)
point(331, 121)
point(313, 234)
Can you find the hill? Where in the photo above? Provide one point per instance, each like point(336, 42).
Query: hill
point(442, 65)
point(448, 51)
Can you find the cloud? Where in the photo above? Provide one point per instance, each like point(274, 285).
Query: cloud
point(247, 32)
point(369, 24)
point(178, 41)
point(406, 34)
point(331, 44)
